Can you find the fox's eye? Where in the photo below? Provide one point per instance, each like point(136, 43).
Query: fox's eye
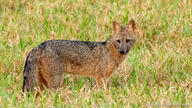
point(118, 41)
point(128, 40)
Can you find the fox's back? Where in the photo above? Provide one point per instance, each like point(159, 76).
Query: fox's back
point(71, 48)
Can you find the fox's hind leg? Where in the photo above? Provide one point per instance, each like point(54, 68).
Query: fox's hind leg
point(51, 70)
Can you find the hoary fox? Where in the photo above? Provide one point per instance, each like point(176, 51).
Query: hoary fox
point(46, 63)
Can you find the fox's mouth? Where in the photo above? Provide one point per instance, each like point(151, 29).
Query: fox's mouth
point(124, 52)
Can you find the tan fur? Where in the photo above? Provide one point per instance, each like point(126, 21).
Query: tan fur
point(47, 62)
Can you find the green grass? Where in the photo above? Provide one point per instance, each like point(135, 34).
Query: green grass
point(158, 70)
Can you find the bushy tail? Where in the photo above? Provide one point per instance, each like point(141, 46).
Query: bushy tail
point(29, 73)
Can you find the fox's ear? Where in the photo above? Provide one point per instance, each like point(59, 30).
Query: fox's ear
point(116, 27)
point(131, 26)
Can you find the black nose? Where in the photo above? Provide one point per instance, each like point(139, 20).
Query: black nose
point(122, 52)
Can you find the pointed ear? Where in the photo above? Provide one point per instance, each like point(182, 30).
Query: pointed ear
point(131, 26)
point(116, 27)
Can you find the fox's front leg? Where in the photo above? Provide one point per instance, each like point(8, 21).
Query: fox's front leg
point(102, 82)
point(99, 81)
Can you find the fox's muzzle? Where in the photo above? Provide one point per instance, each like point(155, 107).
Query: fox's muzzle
point(122, 51)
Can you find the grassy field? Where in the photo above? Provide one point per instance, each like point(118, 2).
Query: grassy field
point(157, 72)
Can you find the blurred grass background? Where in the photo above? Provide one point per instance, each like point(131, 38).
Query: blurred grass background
point(158, 70)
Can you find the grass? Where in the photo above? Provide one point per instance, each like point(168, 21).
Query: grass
point(158, 70)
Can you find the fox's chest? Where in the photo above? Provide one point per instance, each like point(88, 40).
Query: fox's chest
point(108, 68)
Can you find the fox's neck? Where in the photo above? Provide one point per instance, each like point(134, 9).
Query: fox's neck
point(114, 52)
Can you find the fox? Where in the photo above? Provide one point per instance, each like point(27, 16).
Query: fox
point(46, 63)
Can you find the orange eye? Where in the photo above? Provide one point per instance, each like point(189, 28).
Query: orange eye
point(118, 41)
point(128, 40)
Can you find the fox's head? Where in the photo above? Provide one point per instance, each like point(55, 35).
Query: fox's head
point(124, 37)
